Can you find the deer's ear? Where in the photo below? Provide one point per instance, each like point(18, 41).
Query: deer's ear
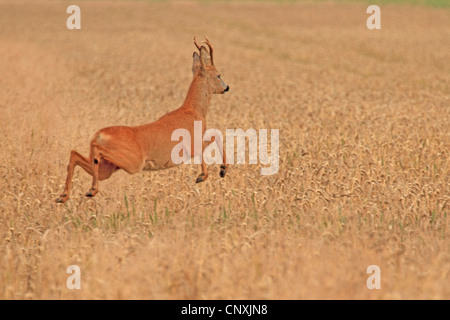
point(196, 64)
point(205, 58)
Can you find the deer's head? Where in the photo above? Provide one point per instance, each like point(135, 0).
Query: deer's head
point(203, 66)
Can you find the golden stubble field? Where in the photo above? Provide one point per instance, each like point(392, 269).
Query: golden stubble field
point(364, 152)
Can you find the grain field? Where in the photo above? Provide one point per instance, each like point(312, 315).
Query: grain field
point(363, 118)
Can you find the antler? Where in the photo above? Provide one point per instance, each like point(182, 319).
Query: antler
point(210, 49)
point(209, 45)
point(196, 44)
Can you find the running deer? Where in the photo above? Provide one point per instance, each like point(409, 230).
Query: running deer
point(149, 146)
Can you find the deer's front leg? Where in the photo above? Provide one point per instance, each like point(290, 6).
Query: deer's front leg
point(95, 165)
point(204, 175)
point(224, 165)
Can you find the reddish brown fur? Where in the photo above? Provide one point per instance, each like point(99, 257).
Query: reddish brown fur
point(148, 147)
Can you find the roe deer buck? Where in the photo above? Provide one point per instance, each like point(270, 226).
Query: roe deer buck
point(149, 146)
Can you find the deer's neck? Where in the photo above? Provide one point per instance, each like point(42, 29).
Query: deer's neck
point(198, 96)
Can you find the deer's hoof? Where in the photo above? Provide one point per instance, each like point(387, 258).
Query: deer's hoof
point(62, 198)
point(200, 178)
point(223, 171)
point(92, 192)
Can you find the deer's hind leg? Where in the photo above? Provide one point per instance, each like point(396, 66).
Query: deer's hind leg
point(75, 159)
point(104, 171)
point(95, 166)
point(100, 169)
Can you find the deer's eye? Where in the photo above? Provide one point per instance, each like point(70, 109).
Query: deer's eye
point(218, 76)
